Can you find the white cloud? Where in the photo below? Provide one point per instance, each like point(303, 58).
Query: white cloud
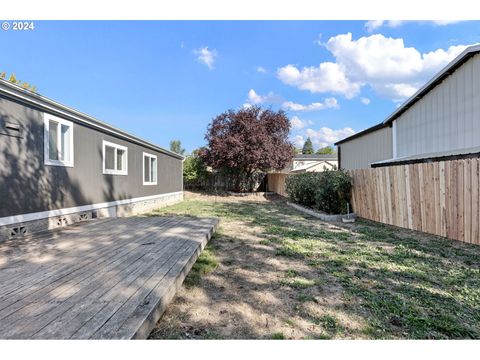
point(318, 40)
point(329, 103)
point(327, 77)
point(326, 136)
point(388, 66)
point(206, 56)
point(298, 123)
point(323, 137)
point(298, 141)
point(261, 69)
point(256, 99)
point(397, 92)
point(365, 101)
point(375, 24)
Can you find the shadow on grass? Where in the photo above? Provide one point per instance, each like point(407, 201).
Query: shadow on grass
point(402, 284)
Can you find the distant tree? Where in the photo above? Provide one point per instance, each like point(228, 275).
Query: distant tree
point(297, 151)
point(176, 147)
point(194, 170)
point(308, 147)
point(13, 79)
point(246, 141)
point(327, 150)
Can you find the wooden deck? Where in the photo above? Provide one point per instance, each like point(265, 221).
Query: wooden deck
point(103, 279)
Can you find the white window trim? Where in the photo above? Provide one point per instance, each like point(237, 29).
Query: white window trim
point(143, 168)
point(46, 143)
point(116, 146)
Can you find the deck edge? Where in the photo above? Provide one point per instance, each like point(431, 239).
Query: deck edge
point(157, 311)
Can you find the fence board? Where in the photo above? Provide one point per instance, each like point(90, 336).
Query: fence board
point(430, 198)
point(475, 201)
point(441, 198)
point(467, 201)
point(461, 207)
point(276, 183)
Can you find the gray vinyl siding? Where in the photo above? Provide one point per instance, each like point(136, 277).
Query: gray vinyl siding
point(446, 118)
point(28, 185)
point(360, 152)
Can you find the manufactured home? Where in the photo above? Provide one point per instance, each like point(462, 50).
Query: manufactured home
point(59, 166)
point(441, 121)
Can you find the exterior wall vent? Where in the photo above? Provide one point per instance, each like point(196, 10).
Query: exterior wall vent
point(10, 129)
point(62, 221)
point(18, 231)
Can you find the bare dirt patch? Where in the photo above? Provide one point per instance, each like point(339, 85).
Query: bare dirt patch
point(278, 274)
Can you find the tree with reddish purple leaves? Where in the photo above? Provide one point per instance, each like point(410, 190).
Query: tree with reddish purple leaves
point(247, 141)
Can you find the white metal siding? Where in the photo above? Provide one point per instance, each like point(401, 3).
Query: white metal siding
point(446, 118)
point(360, 152)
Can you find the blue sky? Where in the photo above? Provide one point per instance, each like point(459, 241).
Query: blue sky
point(164, 80)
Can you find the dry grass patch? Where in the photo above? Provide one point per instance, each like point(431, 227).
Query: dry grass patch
point(271, 273)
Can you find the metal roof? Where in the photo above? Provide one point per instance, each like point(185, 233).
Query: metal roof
point(14, 91)
point(437, 79)
point(315, 157)
point(363, 132)
point(441, 155)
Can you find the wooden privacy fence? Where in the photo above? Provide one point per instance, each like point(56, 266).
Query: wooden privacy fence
point(276, 183)
point(440, 198)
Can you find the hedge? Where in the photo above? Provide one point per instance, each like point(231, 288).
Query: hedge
point(328, 191)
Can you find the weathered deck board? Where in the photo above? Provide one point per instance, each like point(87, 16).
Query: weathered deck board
point(107, 279)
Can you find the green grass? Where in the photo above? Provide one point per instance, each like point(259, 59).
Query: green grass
point(400, 286)
point(205, 264)
point(298, 283)
point(291, 273)
point(301, 297)
point(278, 336)
point(328, 322)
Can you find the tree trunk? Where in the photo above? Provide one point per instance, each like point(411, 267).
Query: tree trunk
point(238, 181)
point(249, 180)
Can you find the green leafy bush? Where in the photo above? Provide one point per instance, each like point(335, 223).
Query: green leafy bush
point(328, 191)
point(301, 187)
point(334, 191)
point(195, 172)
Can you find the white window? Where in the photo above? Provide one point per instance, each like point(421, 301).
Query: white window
point(115, 159)
point(149, 169)
point(57, 141)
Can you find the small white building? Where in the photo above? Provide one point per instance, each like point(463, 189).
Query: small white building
point(301, 163)
point(313, 163)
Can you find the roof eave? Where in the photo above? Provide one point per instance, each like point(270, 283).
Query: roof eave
point(17, 92)
point(442, 74)
point(363, 132)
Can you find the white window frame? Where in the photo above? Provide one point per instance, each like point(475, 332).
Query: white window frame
point(143, 169)
point(46, 140)
point(116, 147)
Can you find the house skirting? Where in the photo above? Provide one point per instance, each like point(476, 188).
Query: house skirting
point(26, 224)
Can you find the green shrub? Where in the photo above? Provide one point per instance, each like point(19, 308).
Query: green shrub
point(301, 187)
point(334, 192)
point(195, 171)
point(328, 191)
